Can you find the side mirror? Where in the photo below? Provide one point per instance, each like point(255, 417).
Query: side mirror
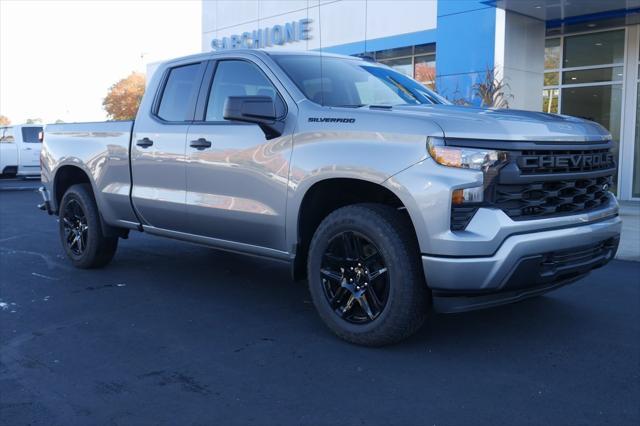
point(261, 110)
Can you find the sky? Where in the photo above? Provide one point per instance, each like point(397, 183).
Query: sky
point(59, 58)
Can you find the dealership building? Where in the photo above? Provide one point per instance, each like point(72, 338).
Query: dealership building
point(576, 57)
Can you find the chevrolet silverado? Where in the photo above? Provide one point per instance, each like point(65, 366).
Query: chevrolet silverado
point(390, 201)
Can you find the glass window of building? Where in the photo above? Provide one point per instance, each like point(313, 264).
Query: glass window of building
point(583, 77)
point(418, 62)
point(605, 47)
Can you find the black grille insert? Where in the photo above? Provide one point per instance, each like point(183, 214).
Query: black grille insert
point(561, 265)
point(552, 198)
point(461, 216)
point(564, 259)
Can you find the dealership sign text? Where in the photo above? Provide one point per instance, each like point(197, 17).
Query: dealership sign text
point(276, 35)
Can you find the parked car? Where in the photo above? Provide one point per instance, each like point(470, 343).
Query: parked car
point(389, 200)
point(20, 150)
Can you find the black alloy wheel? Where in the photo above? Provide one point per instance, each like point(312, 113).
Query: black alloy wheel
point(75, 227)
point(81, 229)
point(354, 277)
point(365, 274)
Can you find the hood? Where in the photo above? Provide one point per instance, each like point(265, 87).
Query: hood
point(507, 124)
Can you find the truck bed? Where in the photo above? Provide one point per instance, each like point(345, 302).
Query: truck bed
point(101, 150)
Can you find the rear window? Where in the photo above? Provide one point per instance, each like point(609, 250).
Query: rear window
point(179, 93)
point(30, 134)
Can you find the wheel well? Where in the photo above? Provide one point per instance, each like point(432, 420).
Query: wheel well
point(65, 177)
point(326, 196)
point(72, 175)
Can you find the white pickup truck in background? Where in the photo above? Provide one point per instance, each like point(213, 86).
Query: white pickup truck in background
point(20, 150)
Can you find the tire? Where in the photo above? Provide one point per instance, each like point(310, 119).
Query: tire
point(371, 228)
point(81, 229)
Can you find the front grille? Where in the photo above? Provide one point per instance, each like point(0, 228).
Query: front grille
point(537, 183)
point(533, 162)
point(551, 198)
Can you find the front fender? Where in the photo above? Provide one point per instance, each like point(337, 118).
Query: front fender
point(366, 156)
point(425, 189)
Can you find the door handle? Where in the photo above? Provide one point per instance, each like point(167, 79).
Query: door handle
point(27, 149)
point(200, 144)
point(144, 142)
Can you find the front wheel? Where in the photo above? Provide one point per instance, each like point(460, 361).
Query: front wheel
point(365, 277)
point(81, 229)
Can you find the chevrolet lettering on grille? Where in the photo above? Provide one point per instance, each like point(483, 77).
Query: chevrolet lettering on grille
point(601, 159)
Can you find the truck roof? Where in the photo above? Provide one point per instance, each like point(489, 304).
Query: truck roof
point(259, 52)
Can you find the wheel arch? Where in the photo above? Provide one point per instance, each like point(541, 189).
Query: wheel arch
point(327, 195)
point(67, 175)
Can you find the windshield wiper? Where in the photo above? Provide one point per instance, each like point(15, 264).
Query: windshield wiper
point(350, 106)
point(379, 106)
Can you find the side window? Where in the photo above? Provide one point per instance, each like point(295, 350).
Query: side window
point(179, 92)
point(236, 78)
point(30, 134)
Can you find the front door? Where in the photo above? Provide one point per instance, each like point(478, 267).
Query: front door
point(158, 150)
point(236, 177)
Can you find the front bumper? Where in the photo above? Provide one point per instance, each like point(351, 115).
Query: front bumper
point(524, 265)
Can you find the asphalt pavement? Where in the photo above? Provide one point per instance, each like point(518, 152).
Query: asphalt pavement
point(178, 334)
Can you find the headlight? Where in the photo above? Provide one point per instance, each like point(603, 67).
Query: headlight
point(465, 158)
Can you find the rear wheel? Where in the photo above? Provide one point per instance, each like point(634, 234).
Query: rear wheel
point(81, 229)
point(365, 276)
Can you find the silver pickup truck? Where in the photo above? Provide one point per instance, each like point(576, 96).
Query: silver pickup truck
point(389, 200)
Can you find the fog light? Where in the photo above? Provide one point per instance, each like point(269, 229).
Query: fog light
point(468, 195)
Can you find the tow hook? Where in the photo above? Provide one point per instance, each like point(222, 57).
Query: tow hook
point(46, 204)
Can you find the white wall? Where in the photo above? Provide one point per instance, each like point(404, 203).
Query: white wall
point(519, 58)
point(334, 22)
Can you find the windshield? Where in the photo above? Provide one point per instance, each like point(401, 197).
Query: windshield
point(332, 81)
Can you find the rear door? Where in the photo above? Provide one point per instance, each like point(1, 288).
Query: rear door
point(237, 182)
point(30, 150)
point(8, 151)
point(158, 148)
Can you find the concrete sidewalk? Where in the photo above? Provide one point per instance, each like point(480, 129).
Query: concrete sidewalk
point(630, 240)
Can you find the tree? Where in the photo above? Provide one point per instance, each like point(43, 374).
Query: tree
point(58, 121)
point(34, 121)
point(425, 73)
point(123, 99)
point(491, 91)
point(4, 120)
